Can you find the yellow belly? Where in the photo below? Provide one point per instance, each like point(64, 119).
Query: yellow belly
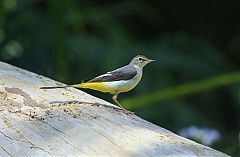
point(99, 86)
point(113, 87)
point(107, 87)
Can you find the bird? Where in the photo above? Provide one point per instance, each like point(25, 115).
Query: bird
point(117, 81)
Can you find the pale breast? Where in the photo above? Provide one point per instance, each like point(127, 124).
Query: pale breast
point(123, 85)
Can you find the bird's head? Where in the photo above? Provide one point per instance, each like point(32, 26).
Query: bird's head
point(140, 61)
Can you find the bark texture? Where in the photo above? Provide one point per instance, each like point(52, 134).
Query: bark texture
point(69, 122)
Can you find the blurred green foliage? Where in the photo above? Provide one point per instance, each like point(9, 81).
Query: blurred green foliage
point(192, 41)
point(189, 88)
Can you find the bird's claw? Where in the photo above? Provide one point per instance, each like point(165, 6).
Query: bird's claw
point(126, 111)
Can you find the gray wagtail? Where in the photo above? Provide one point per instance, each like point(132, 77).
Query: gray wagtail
point(117, 81)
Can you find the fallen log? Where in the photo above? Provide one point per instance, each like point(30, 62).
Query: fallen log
point(69, 122)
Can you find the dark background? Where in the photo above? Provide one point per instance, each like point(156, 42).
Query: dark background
point(73, 40)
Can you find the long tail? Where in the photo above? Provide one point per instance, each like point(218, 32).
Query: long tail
point(54, 87)
point(99, 86)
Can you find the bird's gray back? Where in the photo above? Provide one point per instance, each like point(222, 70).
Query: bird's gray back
point(124, 73)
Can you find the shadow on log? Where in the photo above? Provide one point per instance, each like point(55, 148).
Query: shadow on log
point(69, 122)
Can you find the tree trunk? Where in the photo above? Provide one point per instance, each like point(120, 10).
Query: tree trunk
point(69, 122)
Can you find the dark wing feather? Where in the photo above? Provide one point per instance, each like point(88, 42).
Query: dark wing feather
point(124, 73)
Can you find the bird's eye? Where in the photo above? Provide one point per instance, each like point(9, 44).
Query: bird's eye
point(141, 59)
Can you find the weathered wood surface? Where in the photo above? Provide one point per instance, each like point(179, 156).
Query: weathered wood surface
point(36, 122)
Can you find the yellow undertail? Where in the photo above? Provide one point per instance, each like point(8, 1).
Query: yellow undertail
point(99, 86)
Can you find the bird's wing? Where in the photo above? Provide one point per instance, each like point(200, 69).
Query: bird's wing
point(124, 73)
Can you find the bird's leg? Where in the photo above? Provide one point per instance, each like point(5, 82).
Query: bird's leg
point(115, 100)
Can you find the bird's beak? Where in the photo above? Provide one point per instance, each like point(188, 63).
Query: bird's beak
point(150, 60)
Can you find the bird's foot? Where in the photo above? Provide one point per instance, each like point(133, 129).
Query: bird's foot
point(126, 111)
